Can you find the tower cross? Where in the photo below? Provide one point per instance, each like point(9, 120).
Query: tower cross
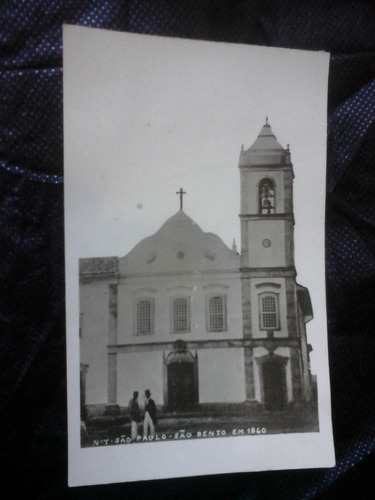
point(181, 192)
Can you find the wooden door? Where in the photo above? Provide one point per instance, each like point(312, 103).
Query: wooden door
point(274, 384)
point(181, 390)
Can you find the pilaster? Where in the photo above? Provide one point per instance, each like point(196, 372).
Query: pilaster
point(112, 340)
point(112, 327)
point(296, 374)
point(246, 308)
point(291, 307)
point(165, 381)
point(112, 379)
point(249, 374)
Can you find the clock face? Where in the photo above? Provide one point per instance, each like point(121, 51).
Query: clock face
point(266, 243)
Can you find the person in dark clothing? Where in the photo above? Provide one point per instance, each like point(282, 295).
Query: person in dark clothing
point(134, 414)
point(150, 415)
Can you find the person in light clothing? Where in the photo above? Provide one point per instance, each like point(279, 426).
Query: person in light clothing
point(150, 415)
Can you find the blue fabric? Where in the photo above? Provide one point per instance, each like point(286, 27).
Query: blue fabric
point(32, 375)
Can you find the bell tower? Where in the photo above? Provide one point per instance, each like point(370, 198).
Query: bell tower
point(267, 222)
point(270, 307)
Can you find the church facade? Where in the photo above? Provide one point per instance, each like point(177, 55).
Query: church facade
point(195, 321)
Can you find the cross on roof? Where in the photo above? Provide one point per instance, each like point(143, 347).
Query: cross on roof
point(181, 192)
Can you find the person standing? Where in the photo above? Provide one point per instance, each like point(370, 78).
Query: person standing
point(150, 415)
point(134, 415)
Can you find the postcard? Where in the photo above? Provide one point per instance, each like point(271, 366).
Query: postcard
point(194, 245)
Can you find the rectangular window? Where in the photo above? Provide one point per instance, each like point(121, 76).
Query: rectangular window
point(144, 317)
point(269, 312)
point(180, 315)
point(216, 314)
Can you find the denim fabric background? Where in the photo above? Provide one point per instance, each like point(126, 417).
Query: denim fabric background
point(33, 445)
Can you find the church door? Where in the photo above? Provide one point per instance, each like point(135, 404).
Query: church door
point(181, 387)
point(274, 384)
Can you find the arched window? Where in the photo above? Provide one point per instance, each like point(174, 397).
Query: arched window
point(269, 311)
point(216, 319)
point(180, 315)
point(144, 317)
point(266, 197)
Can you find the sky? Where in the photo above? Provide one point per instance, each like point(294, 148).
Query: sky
point(145, 116)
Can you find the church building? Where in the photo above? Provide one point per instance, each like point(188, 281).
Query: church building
point(195, 321)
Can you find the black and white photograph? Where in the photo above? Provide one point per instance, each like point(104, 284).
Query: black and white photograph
point(194, 240)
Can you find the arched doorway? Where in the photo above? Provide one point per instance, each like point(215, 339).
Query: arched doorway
point(273, 381)
point(181, 384)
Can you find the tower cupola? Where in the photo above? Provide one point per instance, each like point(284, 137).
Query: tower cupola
point(265, 150)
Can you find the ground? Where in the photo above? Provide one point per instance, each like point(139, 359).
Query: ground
point(113, 430)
